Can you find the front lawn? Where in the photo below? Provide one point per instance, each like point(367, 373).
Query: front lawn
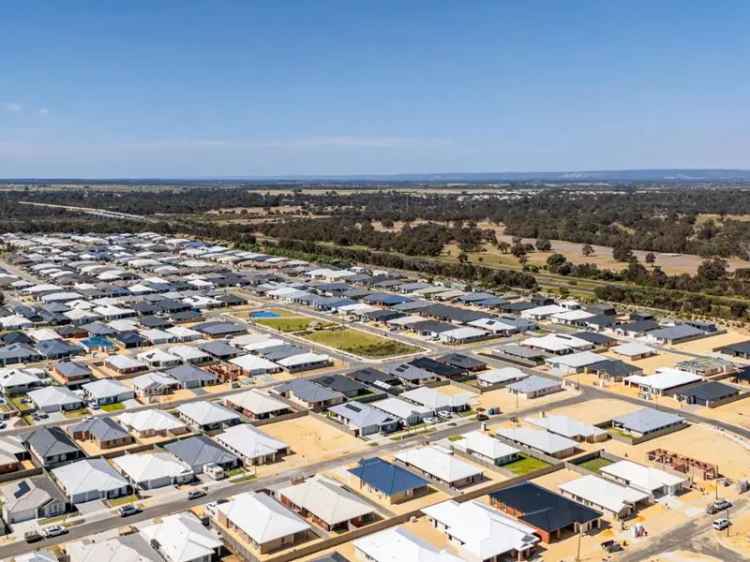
point(117, 502)
point(79, 413)
point(116, 407)
point(360, 343)
point(525, 464)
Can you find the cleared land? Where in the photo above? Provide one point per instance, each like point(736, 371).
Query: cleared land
point(360, 343)
point(311, 441)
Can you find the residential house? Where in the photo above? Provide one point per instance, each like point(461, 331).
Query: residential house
point(206, 415)
point(51, 446)
point(105, 432)
point(252, 445)
point(90, 479)
point(151, 470)
point(388, 481)
point(200, 451)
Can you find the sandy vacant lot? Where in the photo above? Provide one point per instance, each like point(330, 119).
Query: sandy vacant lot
point(699, 441)
point(508, 402)
point(596, 411)
point(311, 441)
point(650, 364)
point(707, 345)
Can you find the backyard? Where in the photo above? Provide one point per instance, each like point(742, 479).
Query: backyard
point(525, 465)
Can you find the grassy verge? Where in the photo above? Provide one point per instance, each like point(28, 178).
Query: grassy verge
point(117, 502)
point(116, 407)
point(359, 343)
point(525, 464)
point(21, 407)
point(79, 413)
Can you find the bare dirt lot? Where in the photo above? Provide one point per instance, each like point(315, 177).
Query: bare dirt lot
point(311, 441)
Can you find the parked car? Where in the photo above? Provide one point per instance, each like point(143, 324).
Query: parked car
point(54, 531)
point(127, 510)
point(482, 417)
point(195, 494)
point(717, 506)
point(721, 524)
point(611, 546)
point(32, 536)
point(445, 414)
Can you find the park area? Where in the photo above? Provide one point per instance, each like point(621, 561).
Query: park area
point(359, 343)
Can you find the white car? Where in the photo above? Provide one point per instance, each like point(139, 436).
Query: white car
point(721, 524)
point(54, 531)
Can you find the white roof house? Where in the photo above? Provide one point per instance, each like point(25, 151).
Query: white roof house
point(256, 402)
point(207, 414)
point(53, 398)
point(439, 464)
point(398, 545)
point(435, 400)
point(501, 376)
point(567, 427)
point(262, 518)
point(558, 343)
point(250, 443)
point(107, 390)
point(574, 362)
point(644, 478)
point(604, 494)
point(302, 359)
point(125, 363)
point(571, 316)
point(153, 470)
point(541, 312)
point(155, 382)
point(159, 358)
point(663, 379)
point(181, 333)
point(484, 445)
point(90, 479)
point(183, 538)
point(151, 421)
point(189, 353)
point(633, 349)
point(538, 440)
point(254, 365)
point(402, 409)
point(327, 500)
point(464, 333)
point(483, 532)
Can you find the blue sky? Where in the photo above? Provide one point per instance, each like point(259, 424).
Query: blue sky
point(234, 88)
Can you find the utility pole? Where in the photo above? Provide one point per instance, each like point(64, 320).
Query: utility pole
point(578, 549)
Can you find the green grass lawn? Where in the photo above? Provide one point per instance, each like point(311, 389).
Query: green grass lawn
point(16, 401)
point(237, 471)
point(525, 465)
point(117, 502)
point(619, 433)
point(360, 343)
point(80, 412)
point(116, 407)
point(290, 324)
point(455, 438)
point(596, 464)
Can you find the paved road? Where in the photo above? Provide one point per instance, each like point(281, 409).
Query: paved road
point(175, 506)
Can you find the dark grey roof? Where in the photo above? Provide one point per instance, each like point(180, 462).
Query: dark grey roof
point(309, 391)
point(451, 313)
point(190, 373)
point(102, 428)
point(544, 509)
point(342, 384)
point(200, 451)
point(593, 337)
point(219, 349)
point(708, 391)
point(220, 328)
point(72, 369)
point(677, 333)
point(49, 441)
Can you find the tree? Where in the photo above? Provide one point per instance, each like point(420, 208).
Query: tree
point(650, 258)
point(503, 246)
point(587, 250)
point(555, 261)
point(714, 269)
point(518, 250)
point(622, 253)
point(543, 245)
